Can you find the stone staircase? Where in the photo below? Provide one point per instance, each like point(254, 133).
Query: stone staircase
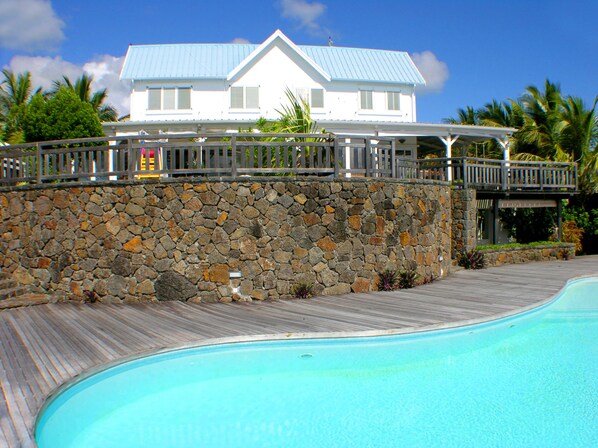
point(13, 294)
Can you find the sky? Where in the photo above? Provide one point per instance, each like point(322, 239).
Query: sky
point(469, 51)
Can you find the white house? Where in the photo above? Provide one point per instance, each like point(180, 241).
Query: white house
point(240, 83)
point(226, 87)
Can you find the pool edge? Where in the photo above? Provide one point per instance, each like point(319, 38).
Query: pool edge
point(297, 336)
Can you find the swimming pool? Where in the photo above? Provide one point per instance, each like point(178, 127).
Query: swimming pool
point(527, 380)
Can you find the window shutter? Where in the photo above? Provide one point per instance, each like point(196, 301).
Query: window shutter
point(169, 98)
point(366, 99)
point(184, 98)
point(236, 97)
point(252, 100)
point(153, 99)
point(317, 98)
point(393, 100)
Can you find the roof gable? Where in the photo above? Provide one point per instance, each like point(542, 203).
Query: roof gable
point(277, 38)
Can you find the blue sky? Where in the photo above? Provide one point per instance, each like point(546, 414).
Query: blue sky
point(470, 51)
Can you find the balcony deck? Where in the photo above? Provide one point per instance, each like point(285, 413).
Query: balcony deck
point(231, 156)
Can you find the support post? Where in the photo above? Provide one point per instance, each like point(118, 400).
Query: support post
point(448, 142)
point(495, 222)
point(393, 155)
point(559, 219)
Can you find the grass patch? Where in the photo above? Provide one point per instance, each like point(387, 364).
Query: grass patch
point(518, 245)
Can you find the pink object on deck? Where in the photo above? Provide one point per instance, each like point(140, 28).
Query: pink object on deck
point(151, 152)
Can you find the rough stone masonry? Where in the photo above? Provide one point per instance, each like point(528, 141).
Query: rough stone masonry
point(150, 240)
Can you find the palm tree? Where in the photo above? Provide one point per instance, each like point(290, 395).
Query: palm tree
point(294, 118)
point(580, 141)
point(464, 116)
point(15, 93)
point(82, 87)
point(543, 123)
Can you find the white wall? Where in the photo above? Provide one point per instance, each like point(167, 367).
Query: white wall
point(276, 70)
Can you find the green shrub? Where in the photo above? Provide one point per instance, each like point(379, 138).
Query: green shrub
point(472, 259)
point(407, 279)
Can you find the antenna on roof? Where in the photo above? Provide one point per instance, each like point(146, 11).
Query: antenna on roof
point(330, 41)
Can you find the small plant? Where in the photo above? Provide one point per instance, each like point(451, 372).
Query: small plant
point(565, 254)
point(90, 296)
point(303, 290)
point(426, 280)
point(388, 280)
point(407, 279)
point(472, 259)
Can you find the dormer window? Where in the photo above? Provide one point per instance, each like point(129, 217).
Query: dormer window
point(169, 98)
point(244, 98)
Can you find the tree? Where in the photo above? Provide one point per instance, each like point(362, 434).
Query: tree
point(60, 117)
point(82, 87)
point(15, 93)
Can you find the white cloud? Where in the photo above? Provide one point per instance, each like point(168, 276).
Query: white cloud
point(105, 70)
point(29, 25)
point(435, 72)
point(239, 40)
point(307, 14)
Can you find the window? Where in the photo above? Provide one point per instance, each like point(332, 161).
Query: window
point(169, 98)
point(313, 97)
point(317, 98)
point(244, 97)
point(154, 99)
point(393, 100)
point(366, 99)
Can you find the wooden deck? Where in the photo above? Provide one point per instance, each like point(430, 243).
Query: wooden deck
point(46, 346)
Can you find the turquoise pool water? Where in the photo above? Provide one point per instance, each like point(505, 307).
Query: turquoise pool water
point(529, 380)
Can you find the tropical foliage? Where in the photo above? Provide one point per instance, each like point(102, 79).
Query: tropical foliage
point(62, 116)
point(553, 127)
point(82, 87)
point(294, 118)
point(17, 95)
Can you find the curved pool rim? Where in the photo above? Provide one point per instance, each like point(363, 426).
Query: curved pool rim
point(231, 341)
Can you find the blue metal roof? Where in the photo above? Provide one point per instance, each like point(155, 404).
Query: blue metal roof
point(216, 61)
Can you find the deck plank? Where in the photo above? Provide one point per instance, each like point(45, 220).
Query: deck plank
point(45, 346)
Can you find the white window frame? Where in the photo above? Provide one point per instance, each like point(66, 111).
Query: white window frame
point(392, 97)
point(177, 93)
point(245, 96)
point(371, 98)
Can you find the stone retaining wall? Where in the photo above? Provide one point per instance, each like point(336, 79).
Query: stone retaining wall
point(175, 240)
point(464, 222)
point(498, 257)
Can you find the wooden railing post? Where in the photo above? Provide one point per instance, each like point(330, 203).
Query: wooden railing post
point(393, 152)
point(131, 158)
point(503, 175)
point(38, 155)
point(233, 144)
point(368, 156)
point(337, 156)
point(541, 175)
point(465, 174)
